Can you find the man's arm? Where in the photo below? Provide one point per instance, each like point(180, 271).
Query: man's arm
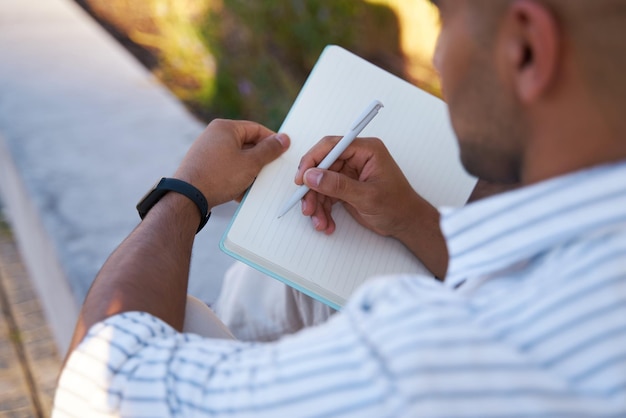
point(149, 271)
point(376, 193)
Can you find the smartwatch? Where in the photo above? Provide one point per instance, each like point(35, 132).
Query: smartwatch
point(165, 185)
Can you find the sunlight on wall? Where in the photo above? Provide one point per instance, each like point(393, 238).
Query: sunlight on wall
point(186, 57)
point(198, 44)
point(419, 28)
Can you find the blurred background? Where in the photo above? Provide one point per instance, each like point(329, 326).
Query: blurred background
point(86, 128)
point(248, 59)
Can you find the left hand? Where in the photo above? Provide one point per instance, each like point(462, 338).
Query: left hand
point(222, 163)
point(225, 159)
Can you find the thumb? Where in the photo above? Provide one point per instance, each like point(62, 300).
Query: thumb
point(333, 184)
point(269, 148)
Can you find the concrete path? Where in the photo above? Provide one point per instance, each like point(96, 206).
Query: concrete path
point(29, 363)
point(85, 130)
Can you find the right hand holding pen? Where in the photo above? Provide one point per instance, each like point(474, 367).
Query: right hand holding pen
point(376, 193)
point(365, 178)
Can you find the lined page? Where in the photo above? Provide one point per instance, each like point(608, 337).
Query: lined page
point(415, 128)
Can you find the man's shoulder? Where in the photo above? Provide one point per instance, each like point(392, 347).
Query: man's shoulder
point(597, 250)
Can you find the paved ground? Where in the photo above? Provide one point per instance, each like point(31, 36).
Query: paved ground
point(29, 362)
point(85, 130)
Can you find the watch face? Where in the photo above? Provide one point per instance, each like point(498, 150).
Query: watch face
point(150, 198)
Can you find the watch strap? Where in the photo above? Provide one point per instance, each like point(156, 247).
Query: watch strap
point(166, 185)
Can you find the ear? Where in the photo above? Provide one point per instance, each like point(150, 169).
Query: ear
point(532, 46)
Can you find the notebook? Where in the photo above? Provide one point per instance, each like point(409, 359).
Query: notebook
point(414, 126)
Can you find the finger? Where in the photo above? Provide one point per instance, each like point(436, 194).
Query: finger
point(318, 208)
point(239, 198)
point(315, 155)
point(268, 149)
point(318, 218)
point(327, 205)
point(321, 217)
point(251, 132)
point(334, 185)
point(309, 203)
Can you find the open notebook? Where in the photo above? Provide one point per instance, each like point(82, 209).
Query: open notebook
point(415, 128)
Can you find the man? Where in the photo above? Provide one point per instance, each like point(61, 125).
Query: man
point(530, 319)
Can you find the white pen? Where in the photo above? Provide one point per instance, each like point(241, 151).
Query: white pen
point(359, 124)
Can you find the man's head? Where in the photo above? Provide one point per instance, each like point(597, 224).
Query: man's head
point(535, 88)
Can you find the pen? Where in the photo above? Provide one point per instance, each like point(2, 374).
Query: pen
point(359, 124)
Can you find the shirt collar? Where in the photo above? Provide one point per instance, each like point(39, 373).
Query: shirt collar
point(498, 232)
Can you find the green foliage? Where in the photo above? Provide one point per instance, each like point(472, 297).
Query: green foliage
point(265, 49)
point(5, 228)
point(247, 59)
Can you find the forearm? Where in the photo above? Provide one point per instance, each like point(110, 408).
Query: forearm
point(149, 271)
point(422, 235)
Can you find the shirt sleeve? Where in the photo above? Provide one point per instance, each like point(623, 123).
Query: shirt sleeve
point(133, 364)
point(402, 346)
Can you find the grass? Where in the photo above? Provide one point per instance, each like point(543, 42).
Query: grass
point(5, 228)
point(244, 59)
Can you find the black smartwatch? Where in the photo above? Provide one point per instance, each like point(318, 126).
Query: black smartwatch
point(166, 185)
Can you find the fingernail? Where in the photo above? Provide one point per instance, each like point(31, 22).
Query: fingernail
point(282, 138)
point(304, 205)
point(316, 221)
point(313, 177)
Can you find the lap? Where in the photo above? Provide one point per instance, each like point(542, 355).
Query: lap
point(256, 307)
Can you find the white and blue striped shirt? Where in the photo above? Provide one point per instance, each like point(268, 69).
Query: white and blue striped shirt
point(537, 329)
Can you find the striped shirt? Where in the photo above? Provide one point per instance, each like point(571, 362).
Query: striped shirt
point(531, 322)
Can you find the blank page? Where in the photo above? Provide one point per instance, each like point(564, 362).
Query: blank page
point(415, 128)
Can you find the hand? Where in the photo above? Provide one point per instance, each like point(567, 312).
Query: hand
point(376, 193)
point(227, 156)
point(365, 178)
